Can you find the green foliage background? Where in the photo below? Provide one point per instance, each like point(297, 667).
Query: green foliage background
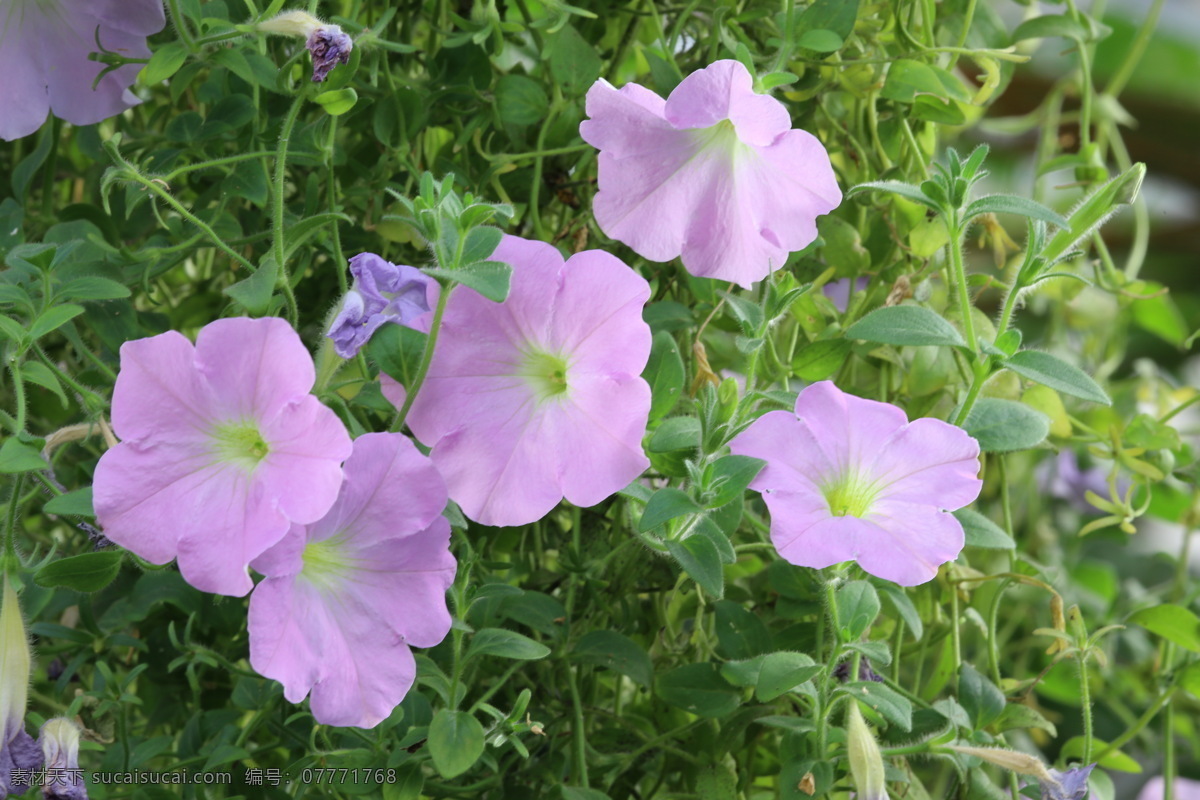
point(653, 646)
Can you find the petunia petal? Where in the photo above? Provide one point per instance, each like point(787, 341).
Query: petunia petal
point(255, 366)
point(929, 462)
point(909, 541)
point(724, 90)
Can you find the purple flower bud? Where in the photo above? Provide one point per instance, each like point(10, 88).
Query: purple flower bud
point(383, 292)
point(60, 746)
point(1069, 785)
point(329, 46)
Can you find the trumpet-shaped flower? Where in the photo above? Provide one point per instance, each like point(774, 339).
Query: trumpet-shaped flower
point(60, 745)
point(18, 750)
point(848, 478)
point(224, 448)
point(714, 174)
point(539, 397)
point(383, 292)
point(345, 596)
point(44, 47)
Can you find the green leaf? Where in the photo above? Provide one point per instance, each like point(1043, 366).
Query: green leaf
point(337, 102)
point(247, 179)
point(455, 742)
point(76, 504)
point(701, 560)
point(837, 16)
point(506, 644)
point(1057, 374)
point(521, 100)
point(935, 109)
point(39, 373)
point(700, 689)
point(53, 319)
point(1012, 204)
point(907, 78)
point(1016, 715)
point(480, 243)
point(1174, 623)
point(12, 329)
point(16, 456)
point(573, 61)
point(891, 705)
point(89, 572)
point(615, 651)
point(665, 373)
point(821, 359)
point(820, 40)
point(980, 698)
point(1001, 426)
point(783, 671)
point(905, 190)
point(676, 433)
point(857, 607)
point(165, 62)
point(982, 532)
point(580, 793)
point(93, 288)
point(297, 234)
point(904, 607)
point(666, 504)
point(905, 325)
point(490, 278)
point(1049, 26)
point(254, 293)
point(730, 477)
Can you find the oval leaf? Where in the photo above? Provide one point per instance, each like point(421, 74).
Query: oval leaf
point(1057, 374)
point(913, 325)
point(455, 742)
point(1002, 426)
point(89, 572)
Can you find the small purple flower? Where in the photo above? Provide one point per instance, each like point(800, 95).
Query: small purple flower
point(1065, 480)
point(852, 479)
point(345, 596)
point(1069, 785)
point(382, 292)
point(44, 47)
point(329, 46)
point(223, 449)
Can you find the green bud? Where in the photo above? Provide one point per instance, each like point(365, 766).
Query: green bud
point(866, 762)
point(1092, 212)
point(14, 661)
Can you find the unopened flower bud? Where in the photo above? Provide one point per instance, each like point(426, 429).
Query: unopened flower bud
point(18, 750)
point(866, 762)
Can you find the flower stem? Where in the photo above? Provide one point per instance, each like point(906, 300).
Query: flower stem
point(277, 245)
point(10, 524)
point(1085, 701)
point(426, 357)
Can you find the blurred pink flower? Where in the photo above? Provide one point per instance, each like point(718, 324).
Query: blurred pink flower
point(853, 479)
point(714, 174)
point(539, 397)
point(224, 448)
point(1185, 789)
point(345, 597)
point(44, 47)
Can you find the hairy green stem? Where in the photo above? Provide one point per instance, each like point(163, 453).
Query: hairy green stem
point(277, 234)
point(426, 358)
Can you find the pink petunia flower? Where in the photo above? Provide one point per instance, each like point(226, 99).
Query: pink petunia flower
point(345, 597)
point(853, 479)
point(44, 47)
point(539, 397)
point(714, 174)
point(224, 448)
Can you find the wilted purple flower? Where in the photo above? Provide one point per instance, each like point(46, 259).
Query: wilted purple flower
point(382, 292)
point(329, 46)
point(1069, 785)
point(865, 673)
point(60, 745)
point(327, 43)
point(848, 478)
point(224, 449)
point(44, 48)
point(714, 174)
point(345, 596)
point(18, 750)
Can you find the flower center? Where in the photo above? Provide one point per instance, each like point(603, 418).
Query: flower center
point(547, 374)
point(326, 561)
point(240, 444)
point(849, 495)
point(722, 137)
